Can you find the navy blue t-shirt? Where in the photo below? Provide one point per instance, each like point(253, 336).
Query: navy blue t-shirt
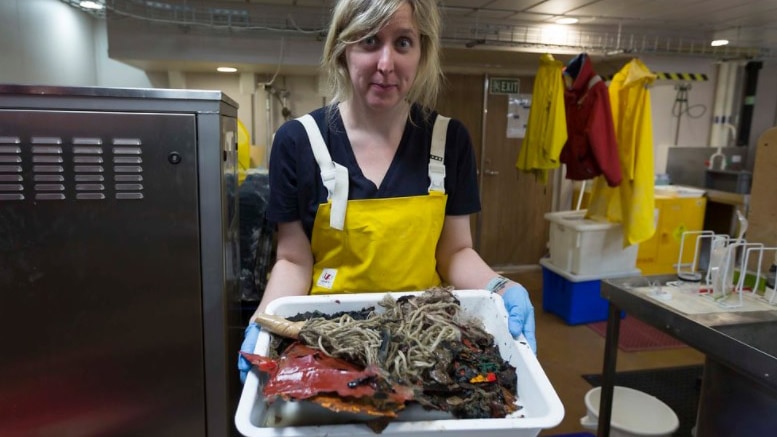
point(296, 188)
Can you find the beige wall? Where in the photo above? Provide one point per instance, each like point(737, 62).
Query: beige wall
point(304, 95)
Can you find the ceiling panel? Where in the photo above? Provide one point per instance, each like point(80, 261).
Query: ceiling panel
point(559, 6)
point(531, 18)
point(631, 26)
point(752, 14)
point(640, 10)
point(665, 15)
point(456, 12)
point(469, 4)
point(693, 13)
point(498, 14)
point(514, 5)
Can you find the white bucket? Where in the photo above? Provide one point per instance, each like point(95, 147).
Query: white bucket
point(634, 413)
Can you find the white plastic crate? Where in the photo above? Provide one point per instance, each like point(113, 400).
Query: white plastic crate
point(542, 407)
point(588, 247)
point(678, 191)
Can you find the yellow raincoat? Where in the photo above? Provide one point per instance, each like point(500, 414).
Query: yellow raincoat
point(632, 203)
point(546, 129)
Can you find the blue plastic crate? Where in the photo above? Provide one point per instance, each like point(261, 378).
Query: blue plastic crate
point(575, 302)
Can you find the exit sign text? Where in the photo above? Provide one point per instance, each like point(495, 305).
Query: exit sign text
point(504, 85)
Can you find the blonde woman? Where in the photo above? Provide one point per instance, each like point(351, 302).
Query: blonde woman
point(373, 192)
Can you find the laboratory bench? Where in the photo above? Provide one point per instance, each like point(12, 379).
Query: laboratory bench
point(739, 386)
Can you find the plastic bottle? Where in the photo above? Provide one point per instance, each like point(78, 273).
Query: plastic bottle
point(718, 268)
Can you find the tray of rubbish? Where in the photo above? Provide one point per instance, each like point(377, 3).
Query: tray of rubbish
point(539, 406)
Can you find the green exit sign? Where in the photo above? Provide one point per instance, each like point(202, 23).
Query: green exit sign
point(504, 85)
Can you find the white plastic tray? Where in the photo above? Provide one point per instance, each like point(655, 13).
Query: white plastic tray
point(542, 407)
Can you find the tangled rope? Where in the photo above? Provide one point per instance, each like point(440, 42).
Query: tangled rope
point(403, 340)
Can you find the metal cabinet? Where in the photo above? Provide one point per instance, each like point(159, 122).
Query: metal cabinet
point(119, 304)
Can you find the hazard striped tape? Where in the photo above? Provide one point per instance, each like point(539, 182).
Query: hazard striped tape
point(686, 77)
point(691, 77)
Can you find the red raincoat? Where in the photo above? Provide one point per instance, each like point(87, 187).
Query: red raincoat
point(591, 149)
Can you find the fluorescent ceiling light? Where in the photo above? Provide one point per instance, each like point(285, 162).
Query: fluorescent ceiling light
point(567, 20)
point(556, 34)
point(719, 42)
point(226, 69)
point(87, 4)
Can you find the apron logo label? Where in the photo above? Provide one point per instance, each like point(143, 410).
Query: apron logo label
point(327, 278)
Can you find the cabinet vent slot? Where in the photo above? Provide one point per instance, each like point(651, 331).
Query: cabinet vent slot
point(11, 178)
point(127, 168)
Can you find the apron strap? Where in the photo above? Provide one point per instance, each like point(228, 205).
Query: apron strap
point(334, 175)
point(437, 155)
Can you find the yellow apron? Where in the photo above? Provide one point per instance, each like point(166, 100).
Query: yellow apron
point(384, 244)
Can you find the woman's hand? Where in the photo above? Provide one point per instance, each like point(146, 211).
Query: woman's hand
point(249, 344)
point(290, 276)
point(520, 313)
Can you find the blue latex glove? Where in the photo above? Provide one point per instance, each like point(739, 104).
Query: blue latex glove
point(249, 344)
point(520, 314)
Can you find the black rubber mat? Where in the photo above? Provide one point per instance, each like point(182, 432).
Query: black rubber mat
point(677, 387)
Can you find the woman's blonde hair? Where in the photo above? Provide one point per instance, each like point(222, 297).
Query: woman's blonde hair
point(354, 20)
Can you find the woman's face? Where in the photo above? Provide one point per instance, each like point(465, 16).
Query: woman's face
point(383, 67)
